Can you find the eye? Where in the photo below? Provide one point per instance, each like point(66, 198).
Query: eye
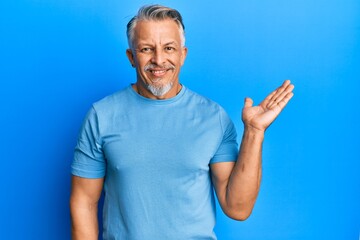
point(169, 49)
point(146, 50)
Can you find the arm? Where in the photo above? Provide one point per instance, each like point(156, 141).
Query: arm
point(237, 184)
point(84, 199)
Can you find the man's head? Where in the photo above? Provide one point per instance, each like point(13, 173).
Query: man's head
point(155, 13)
point(156, 40)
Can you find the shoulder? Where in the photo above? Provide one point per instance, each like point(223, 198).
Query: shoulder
point(113, 101)
point(197, 100)
point(209, 109)
point(200, 99)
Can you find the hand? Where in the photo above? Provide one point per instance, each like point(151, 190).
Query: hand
point(260, 117)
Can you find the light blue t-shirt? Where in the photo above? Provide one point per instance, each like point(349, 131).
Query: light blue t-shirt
point(155, 156)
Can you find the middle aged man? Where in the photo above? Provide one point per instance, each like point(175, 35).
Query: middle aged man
point(159, 148)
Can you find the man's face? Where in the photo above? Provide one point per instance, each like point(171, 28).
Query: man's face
point(158, 56)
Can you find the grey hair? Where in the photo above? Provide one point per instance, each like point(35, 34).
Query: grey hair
point(155, 13)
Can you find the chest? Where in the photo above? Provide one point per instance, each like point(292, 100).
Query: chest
point(172, 141)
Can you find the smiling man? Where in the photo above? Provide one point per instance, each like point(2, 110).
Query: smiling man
point(157, 51)
point(158, 150)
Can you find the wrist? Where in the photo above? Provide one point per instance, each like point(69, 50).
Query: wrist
point(254, 130)
point(254, 133)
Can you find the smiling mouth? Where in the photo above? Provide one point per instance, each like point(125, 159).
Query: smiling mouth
point(158, 73)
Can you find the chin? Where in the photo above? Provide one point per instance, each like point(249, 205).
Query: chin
point(160, 90)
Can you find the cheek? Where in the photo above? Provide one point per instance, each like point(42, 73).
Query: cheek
point(142, 60)
point(181, 59)
point(177, 60)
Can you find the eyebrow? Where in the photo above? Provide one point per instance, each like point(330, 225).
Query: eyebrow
point(170, 43)
point(149, 44)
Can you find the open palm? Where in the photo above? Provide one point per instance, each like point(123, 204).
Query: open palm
point(260, 117)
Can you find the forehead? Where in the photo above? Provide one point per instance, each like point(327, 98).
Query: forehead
point(155, 31)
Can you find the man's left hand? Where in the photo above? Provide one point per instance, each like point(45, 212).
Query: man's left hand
point(260, 117)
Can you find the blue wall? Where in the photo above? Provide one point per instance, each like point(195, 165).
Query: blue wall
point(57, 57)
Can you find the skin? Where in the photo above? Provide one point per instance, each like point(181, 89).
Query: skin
point(85, 195)
point(157, 43)
point(236, 184)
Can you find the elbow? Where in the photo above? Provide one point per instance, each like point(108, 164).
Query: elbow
point(238, 215)
point(240, 212)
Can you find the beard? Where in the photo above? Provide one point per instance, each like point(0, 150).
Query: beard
point(159, 91)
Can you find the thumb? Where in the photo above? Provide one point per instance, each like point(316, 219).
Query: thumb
point(248, 102)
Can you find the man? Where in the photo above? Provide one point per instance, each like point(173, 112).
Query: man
point(159, 149)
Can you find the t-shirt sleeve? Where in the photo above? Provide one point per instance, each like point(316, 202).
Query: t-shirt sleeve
point(89, 161)
point(228, 148)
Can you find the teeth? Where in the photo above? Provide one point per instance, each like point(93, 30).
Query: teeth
point(157, 72)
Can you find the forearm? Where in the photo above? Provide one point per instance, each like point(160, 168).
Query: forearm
point(84, 220)
point(244, 181)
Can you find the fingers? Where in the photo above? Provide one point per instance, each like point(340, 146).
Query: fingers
point(281, 96)
point(267, 100)
point(286, 99)
point(248, 102)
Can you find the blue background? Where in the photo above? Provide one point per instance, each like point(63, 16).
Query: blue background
point(57, 57)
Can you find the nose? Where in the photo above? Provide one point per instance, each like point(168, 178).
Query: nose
point(158, 57)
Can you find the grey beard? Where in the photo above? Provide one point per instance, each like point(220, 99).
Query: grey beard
point(159, 91)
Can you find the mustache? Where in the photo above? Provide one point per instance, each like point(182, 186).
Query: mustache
point(165, 66)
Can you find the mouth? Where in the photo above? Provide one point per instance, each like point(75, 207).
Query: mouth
point(157, 72)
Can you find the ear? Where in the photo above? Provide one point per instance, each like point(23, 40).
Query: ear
point(130, 56)
point(184, 51)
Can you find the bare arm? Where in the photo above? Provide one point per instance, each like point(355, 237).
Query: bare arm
point(237, 184)
point(84, 199)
